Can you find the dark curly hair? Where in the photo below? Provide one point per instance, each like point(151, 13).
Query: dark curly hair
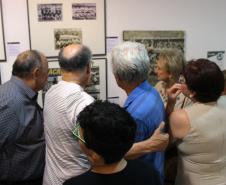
point(108, 129)
point(204, 78)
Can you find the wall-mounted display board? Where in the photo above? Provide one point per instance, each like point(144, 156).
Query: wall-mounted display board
point(2, 39)
point(53, 24)
point(155, 41)
point(98, 83)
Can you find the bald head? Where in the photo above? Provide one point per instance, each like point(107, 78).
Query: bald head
point(74, 57)
point(71, 50)
point(26, 62)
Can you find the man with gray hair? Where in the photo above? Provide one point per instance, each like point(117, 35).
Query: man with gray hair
point(130, 64)
point(63, 102)
point(22, 144)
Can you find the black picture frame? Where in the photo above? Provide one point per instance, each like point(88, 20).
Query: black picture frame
point(2, 37)
point(97, 88)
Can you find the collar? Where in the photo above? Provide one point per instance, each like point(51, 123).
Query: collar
point(24, 87)
point(136, 92)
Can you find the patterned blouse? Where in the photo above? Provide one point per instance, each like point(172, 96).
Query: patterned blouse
point(181, 102)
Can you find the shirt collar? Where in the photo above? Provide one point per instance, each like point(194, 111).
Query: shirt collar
point(26, 89)
point(135, 93)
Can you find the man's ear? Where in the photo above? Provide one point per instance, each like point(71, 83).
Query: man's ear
point(95, 158)
point(88, 68)
point(36, 73)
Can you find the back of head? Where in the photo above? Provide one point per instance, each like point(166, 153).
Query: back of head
point(108, 129)
point(130, 62)
point(205, 79)
point(74, 57)
point(26, 62)
point(174, 62)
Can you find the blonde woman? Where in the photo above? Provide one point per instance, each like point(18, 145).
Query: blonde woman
point(170, 65)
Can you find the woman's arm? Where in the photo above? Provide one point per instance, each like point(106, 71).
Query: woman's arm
point(179, 124)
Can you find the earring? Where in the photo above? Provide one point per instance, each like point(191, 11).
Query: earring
point(191, 95)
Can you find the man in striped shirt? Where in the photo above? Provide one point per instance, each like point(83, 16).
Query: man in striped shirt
point(63, 102)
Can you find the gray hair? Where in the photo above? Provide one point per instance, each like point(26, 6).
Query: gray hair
point(26, 62)
point(174, 62)
point(130, 62)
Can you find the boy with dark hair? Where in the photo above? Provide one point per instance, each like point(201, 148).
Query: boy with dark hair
point(106, 132)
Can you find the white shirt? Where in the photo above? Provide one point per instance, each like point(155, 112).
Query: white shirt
point(64, 158)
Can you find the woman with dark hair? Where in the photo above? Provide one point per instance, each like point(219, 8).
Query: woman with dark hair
point(222, 100)
point(200, 130)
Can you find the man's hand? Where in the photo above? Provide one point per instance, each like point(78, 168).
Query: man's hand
point(157, 142)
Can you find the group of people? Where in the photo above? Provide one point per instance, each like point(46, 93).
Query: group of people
point(76, 140)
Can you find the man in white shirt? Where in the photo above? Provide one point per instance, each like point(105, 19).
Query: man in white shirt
point(63, 102)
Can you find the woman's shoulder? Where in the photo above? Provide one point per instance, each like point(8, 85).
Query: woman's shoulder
point(179, 123)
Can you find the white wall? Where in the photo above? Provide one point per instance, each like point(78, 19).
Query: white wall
point(16, 30)
point(202, 20)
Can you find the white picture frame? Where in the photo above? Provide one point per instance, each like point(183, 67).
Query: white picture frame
point(65, 23)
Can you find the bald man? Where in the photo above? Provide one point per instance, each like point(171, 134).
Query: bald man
point(22, 144)
point(63, 102)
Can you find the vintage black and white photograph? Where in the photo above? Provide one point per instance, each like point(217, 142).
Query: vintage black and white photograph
point(50, 12)
point(94, 87)
point(89, 16)
point(98, 82)
point(97, 87)
point(84, 11)
point(155, 41)
point(54, 76)
point(64, 37)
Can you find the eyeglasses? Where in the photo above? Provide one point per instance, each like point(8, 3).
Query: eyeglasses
point(76, 133)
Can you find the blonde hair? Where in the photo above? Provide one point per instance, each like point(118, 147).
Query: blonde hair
point(174, 63)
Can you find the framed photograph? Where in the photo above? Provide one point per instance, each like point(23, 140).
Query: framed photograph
point(54, 24)
point(0, 77)
point(54, 76)
point(155, 41)
point(2, 38)
point(218, 57)
point(98, 83)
